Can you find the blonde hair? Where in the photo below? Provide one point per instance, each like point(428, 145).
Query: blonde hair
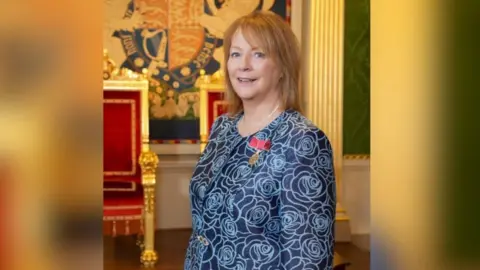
point(274, 35)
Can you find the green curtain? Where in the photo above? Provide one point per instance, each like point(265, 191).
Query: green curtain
point(356, 119)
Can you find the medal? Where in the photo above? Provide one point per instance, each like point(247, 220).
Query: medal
point(259, 145)
point(253, 159)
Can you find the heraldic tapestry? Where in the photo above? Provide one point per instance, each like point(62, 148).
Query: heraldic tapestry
point(174, 40)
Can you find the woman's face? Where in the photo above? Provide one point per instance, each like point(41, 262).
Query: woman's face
point(253, 74)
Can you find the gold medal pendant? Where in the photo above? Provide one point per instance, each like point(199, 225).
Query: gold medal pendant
point(253, 159)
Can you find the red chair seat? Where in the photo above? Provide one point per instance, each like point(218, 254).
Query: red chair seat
point(122, 215)
point(128, 207)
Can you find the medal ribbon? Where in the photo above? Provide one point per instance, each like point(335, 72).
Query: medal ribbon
point(259, 144)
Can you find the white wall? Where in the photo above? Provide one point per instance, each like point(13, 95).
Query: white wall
point(173, 206)
point(356, 194)
point(173, 203)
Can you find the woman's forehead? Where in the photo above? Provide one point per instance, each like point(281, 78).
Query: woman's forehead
point(247, 37)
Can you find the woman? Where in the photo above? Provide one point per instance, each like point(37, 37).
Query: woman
point(263, 191)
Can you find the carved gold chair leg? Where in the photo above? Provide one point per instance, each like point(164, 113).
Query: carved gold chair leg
point(148, 162)
point(140, 242)
point(140, 238)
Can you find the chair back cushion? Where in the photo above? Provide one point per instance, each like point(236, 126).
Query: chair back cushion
point(216, 107)
point(121, 138)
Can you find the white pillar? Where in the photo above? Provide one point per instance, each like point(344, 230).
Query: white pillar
point(322, 83)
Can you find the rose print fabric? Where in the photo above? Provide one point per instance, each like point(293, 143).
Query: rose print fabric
point(278, 213)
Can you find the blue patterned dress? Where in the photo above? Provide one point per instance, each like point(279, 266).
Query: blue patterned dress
point(276, 214)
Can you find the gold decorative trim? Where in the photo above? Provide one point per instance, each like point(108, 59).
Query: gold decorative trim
point(125, 85)
point(131, 207)
point(215, 82)
point(213, 88)
point(131, 102)
point(208, 84)
point(133, 187)
point(217, 104)
point(149, 258)
point(356, 157)
point(148, 162)
point(112, 72)
point(119, 218)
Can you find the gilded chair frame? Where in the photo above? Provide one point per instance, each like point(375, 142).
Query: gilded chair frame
point(208, 84)
point(148, 160)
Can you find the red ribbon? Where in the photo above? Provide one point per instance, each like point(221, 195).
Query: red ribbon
point(260, 144)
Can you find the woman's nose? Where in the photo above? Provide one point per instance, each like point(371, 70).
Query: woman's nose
point(245, 64)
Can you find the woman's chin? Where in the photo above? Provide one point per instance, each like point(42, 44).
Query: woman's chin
point(246, 97)
point(245, 94)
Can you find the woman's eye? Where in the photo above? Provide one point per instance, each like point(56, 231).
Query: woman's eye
point(259, 54)
point(234, 54)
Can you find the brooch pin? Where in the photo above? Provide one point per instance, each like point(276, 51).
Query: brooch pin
point(259, 145)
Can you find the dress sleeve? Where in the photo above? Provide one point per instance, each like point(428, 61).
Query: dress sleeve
point(216, 126)
point(307, 203)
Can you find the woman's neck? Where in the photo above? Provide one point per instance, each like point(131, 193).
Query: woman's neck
point(258, 116)
point(258, 113)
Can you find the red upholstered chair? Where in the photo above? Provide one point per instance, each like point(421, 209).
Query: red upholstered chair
point(212, 104)
point(129, 165)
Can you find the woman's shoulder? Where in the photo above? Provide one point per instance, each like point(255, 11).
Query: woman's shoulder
point(222, 122)
point(224, 119)
point(300, 124)
point(305, 142)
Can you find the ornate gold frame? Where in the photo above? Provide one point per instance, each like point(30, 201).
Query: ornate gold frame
point(207, 84)
point(126, 80)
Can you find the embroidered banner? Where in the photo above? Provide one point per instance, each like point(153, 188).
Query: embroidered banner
point(174, 40)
